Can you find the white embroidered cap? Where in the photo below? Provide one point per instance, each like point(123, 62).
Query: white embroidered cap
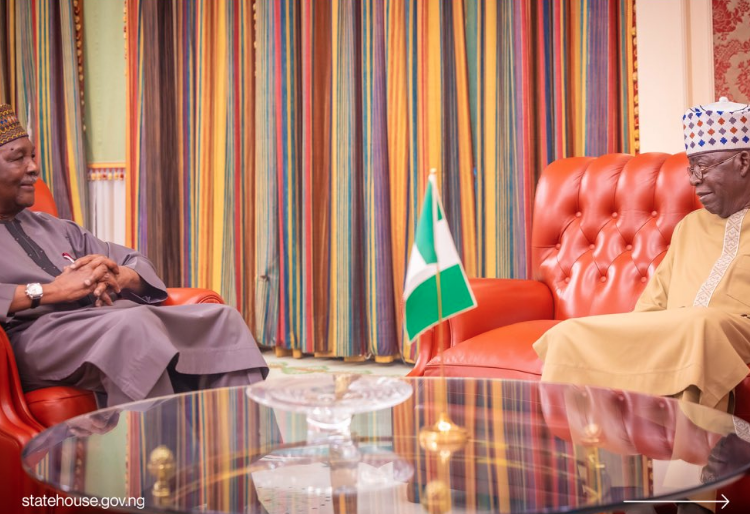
point(722, 125)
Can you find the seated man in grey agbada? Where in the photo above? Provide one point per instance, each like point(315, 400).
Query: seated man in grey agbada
point(82, 312)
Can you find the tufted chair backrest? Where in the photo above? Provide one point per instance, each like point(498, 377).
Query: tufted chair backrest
point(602, 225)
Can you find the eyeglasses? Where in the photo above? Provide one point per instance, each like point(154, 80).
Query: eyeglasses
point(698, 172)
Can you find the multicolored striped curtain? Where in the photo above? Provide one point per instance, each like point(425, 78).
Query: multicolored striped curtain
point(366, 97)
point(41, 71)
point(306, 139)
point(191, 142)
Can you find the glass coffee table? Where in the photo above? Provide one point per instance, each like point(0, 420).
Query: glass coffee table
point(531, 448)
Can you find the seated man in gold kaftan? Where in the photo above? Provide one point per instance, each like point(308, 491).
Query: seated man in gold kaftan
point(689, 334)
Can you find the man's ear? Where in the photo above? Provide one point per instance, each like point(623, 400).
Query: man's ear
point(744, 163)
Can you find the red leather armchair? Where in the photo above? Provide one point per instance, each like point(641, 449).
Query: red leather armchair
point(23, 415)
point(600, 228)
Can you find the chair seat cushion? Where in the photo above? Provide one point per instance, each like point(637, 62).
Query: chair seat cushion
point(53, 405)
point(504, 352)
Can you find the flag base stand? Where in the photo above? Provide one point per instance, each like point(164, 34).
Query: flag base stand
point(442, 439)
point(443, 436)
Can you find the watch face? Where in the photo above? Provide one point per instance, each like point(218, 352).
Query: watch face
point(34, 290)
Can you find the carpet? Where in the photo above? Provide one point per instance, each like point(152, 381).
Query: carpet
point(283, 366)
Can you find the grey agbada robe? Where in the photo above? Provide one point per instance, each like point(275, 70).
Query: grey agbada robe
point(123, 350)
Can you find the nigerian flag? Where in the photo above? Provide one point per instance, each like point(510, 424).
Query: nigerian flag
point(434, 271)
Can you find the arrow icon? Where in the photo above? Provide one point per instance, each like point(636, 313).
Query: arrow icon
point(725, 501)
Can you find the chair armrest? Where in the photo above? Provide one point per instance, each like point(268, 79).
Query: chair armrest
point(191, 295)
point(500, 302)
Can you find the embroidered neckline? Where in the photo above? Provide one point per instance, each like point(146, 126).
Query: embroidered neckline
point(728, 253)
point(741, 428)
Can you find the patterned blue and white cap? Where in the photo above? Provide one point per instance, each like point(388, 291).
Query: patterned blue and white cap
point(722, 125)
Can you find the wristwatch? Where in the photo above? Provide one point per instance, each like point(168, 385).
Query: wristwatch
point(34, 292)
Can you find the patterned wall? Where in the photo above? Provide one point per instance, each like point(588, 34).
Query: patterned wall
point(731, 20)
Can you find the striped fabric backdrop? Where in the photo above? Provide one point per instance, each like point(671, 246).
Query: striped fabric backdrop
point(307, 129)
point(191, 145)
point(41, 72)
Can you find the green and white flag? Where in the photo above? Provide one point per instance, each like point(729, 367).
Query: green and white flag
point(434, 271)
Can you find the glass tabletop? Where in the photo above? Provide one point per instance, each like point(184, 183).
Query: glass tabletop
point(531, 448)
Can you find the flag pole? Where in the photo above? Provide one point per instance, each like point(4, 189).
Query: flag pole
point(443, 388)
point(444, 437)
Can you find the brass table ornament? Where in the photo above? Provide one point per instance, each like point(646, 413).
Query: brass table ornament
point(162, 466)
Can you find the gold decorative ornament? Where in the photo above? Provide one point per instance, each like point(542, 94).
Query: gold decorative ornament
point(162, 466)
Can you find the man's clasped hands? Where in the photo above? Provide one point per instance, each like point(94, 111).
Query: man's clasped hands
point(93, 274)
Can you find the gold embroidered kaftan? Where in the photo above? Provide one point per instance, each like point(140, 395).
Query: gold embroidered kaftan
point(691, 325)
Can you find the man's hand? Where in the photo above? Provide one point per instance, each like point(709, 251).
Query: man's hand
point(126, 279)
point(112, 283)
point(91, 274)
point(77, 281)
point(106, 287)
point(129, 279)
point(96, 260)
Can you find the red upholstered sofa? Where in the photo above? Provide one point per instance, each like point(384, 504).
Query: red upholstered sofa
point(600, 227)
point(24, 415)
